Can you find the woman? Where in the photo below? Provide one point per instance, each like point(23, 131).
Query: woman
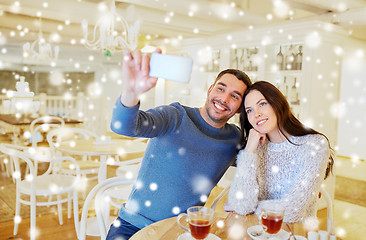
point(283, 161)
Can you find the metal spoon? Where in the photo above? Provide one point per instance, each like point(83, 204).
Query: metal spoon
point(256, 233)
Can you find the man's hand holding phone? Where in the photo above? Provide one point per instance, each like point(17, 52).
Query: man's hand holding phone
point(141, 72)
point(136, 68)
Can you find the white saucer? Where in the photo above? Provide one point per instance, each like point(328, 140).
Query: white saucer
point(298, 237)
point(187, 236)
point(281, 235)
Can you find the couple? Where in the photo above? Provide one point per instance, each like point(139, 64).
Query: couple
point(190, 149)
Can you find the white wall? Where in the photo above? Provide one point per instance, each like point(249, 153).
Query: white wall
point(352, 105)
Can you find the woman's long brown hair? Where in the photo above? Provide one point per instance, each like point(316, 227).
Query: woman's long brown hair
point(285, 119)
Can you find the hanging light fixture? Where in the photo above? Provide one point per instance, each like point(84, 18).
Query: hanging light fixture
point(44, 51)
point(105, 34)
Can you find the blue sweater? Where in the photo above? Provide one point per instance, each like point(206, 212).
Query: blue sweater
point(184, 159)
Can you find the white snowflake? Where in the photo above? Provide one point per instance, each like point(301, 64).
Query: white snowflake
point(17, 219)
point(176, 210)
point(275, 169)
point(220, 224)
point(117, 124)
point(200, 184)
point(138, 184)
point(239, 195)
point(236, 231)
point(116, 223)
point(181, 151)
point(153, 186)
point(132, 206)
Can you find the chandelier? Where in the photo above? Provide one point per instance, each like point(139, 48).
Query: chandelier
point(105, 34)
point(44, 51)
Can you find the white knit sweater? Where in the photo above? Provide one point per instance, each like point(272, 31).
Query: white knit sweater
point(281, 172)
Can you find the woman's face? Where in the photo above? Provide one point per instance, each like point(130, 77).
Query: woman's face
point(260, 113)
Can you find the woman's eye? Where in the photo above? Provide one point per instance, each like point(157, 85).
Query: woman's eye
point(249, 111)
point(262, 104)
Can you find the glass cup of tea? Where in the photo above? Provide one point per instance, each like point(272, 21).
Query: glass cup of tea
point(199, 220)
point(271, 218)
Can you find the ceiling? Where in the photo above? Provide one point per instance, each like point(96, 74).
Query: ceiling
point(163, 21)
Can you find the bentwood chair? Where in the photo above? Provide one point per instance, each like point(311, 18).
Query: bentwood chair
point(38, 187)
point(98, 193)
point(41, 126)
point(59, 135)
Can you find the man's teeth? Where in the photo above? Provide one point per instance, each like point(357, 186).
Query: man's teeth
point(219, 107)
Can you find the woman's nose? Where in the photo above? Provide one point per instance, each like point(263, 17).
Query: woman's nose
point(258, 113)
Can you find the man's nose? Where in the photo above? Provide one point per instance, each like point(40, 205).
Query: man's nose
point(226, 98)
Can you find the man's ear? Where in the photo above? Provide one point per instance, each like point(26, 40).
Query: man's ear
point(210, 89)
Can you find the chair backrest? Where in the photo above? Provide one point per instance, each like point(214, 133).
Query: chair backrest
point(59, 135)
point(97, 192)
point(16, 155)
point(44, 124)
point(26, 154)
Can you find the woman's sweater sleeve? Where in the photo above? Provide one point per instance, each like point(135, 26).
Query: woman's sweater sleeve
point(305, 187)
point(244, 189)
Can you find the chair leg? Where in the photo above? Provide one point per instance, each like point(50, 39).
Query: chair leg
point(76, 212)
point(17, 212)
point(59, 208)
point(107, 209)
point(49, 200)
point(33, 218)
point(8, 168)
point(69, 205)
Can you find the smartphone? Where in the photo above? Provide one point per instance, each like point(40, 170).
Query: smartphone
point(171, 67)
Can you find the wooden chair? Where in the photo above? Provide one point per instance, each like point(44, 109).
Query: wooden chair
point(49, 183)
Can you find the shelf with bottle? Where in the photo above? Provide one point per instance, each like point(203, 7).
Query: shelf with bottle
point(289, 57)
point(212, 64)
point(290, 86)
point(245, 59)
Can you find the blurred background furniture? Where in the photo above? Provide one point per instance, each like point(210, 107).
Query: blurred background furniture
point(30, 185)
point(107, 150)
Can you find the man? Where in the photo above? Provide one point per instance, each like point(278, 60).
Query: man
point(189, 150)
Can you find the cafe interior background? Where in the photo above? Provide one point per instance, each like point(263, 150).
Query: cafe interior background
point(313, 51)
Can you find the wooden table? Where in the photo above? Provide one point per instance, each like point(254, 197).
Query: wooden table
point(124, 148)
point(10, 124)
point(234, 228)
